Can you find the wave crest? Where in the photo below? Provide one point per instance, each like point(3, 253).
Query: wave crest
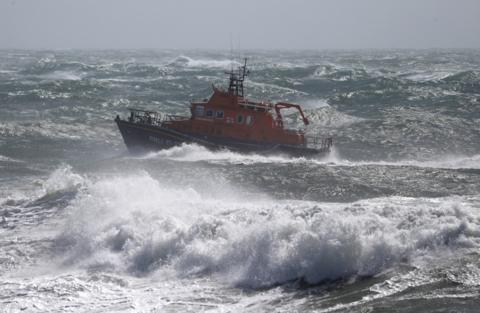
point(138, 225)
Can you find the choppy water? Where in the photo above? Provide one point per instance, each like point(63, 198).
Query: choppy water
point(388, 222)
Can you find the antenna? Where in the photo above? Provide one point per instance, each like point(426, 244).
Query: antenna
point(231, 52)
point(239, 51)
point(236, 80)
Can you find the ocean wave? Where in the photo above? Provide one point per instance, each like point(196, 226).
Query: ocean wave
point(446, 162)
point(49, 65)
point(196, 153)
point(396, 199)
point(133, 70)
point(42, 94)
point(61, 179)
point(464, 76)
point(185, 61)
point(428, 76)
point(315, 103)
point(441, 75)
point(266, 87)
point(400, 132)
point(321, 117)
point(4, 158)
point(57, 129)
point(339, 73)
point(138, 225)
point(62, 75)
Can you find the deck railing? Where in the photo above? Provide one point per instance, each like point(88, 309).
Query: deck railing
point(159, 119)
point(322, 143)
point(152, 118)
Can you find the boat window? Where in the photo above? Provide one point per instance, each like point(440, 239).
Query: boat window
point(199, 110)
point(219, 114)
point(209, 113)
point(239, 118)
point(248, 120)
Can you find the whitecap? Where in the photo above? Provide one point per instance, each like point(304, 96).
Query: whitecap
point(195, 153)
point(447, 162)
point(63, 178)
point(141, 226)
point(4, 158)
point(428, 76)
point(62, 75)
point(202, 63)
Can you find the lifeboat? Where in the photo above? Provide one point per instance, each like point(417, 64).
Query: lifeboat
point(227, 120)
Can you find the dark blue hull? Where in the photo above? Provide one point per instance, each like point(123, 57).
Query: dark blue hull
point(141, 137)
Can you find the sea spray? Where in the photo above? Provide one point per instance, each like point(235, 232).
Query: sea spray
point(136, 225)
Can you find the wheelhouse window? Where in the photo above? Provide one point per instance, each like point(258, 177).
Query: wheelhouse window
point(239, 118)
point(199, 110)
point(219, 114)
point(209, 113)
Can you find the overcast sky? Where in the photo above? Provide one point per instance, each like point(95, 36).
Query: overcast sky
point(249, 24)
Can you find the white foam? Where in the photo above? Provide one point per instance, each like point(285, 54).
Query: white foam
point(4, 158)
point(62, 75)
point(273, 87)
point(325, 70)
point(56, 129)
point(328, 116)
point(320, 115)
point(428, 76)
point(448, 162)
point(195, 153)
point(63, 178)
point(315, 104)
point(137, 224)
point(203, 63)
point(453, 162)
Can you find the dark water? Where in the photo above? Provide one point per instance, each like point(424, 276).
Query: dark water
point(388, 222)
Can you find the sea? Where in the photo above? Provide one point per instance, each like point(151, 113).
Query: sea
point(388, 221)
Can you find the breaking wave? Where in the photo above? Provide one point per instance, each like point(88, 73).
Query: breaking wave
point(196, 153)
point(136, 224)
point(429, 76)
point(447, 162)
point(55, 129)
point(63, 179)
point(7, 159)
point(397, 199)
point(185, 61)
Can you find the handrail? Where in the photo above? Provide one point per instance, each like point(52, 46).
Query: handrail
point(322, 143)
point(152, 118)
point(145, 117)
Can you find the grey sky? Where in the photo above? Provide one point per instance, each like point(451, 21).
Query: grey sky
point(266, 24)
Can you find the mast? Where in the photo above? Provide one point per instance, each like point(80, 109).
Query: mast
point(236, 80)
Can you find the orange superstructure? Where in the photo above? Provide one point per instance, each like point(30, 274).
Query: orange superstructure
point(226, 119)
point(229, 114)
